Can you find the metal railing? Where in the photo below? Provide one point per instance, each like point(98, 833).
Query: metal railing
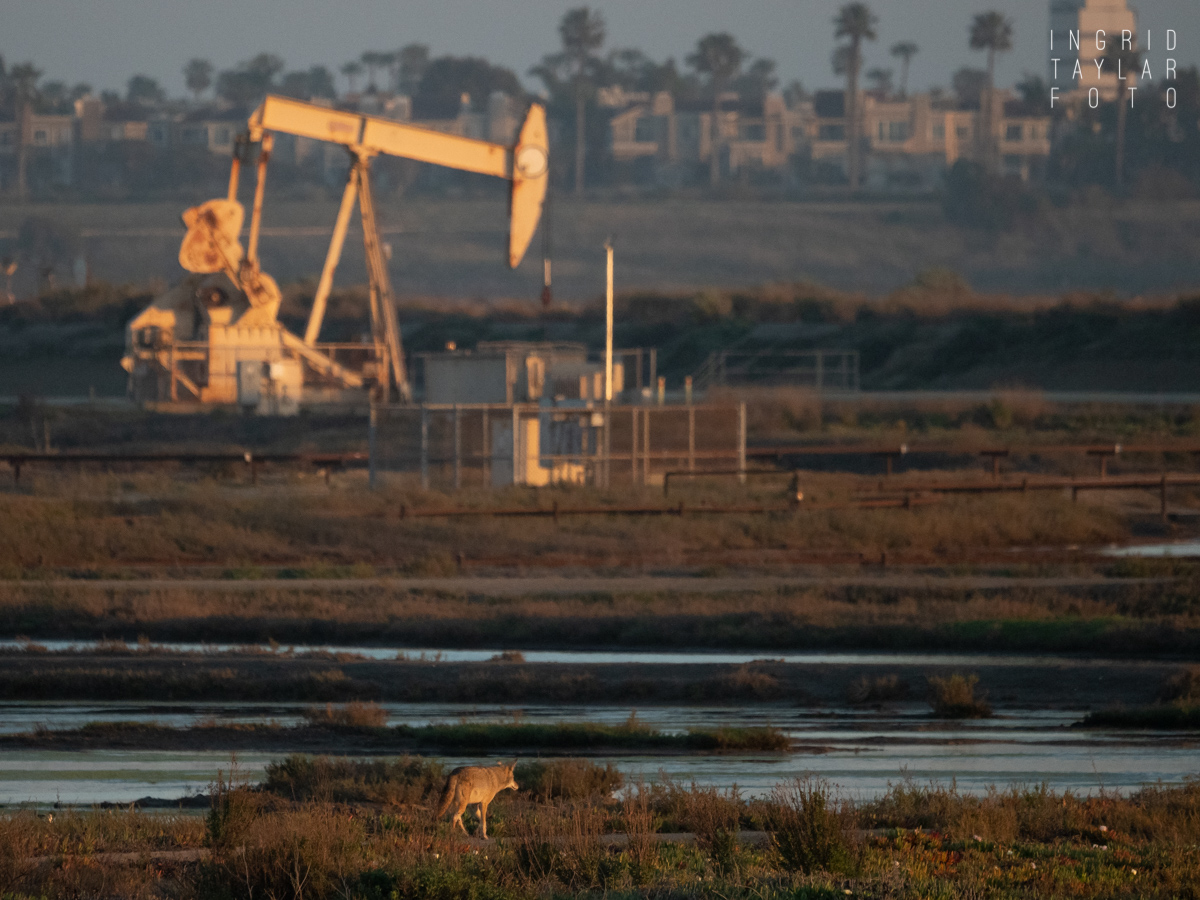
point(821, 370)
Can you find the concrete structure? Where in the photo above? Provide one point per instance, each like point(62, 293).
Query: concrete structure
point(511, 372)
point(1080, 33)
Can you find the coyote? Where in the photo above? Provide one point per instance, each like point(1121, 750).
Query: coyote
point(475, 784)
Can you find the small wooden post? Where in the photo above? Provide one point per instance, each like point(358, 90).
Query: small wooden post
point(424, 448)
point(516, 444)
point(457, 448)
point(691, 413)
point(646, 446)
point(742, 442)
point(486, 445)
point(633, 446)
point(372, 428)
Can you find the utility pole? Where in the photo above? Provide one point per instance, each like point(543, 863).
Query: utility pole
point(608, 360)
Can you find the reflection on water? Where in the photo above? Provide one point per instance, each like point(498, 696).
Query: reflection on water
point(862, 751)
point(1180, 549)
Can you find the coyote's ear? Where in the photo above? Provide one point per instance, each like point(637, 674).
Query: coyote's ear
point(513, 765)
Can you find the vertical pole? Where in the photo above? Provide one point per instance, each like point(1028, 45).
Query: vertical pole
point(633, 446)
point(646, 445)
point(424, 448)
point(174, 384)
point(653, 365)
point(742, 442)
point(691, 438)
point(608, 323)
point(608, 361)
point(516, 445)
point(371, 446)
point(457, 448)
point(662, 390)
point(486, 445)
point(687, 390)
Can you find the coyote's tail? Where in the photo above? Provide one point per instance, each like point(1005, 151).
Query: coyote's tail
point(447, 795)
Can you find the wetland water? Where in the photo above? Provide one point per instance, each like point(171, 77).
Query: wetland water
point(581, 657)
point(861, 751)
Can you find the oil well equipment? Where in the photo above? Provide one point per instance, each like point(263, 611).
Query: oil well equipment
point(215, 338)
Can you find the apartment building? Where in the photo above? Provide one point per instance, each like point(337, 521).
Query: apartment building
point(759, 135)
point(913, 142)
point(909, 143)
point(1081, 32)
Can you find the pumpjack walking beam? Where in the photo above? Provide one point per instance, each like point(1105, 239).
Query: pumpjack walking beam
point(525, 166)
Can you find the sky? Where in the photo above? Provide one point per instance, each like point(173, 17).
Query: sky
point(104, 42)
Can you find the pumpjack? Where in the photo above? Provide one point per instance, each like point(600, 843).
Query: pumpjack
point(215, 338)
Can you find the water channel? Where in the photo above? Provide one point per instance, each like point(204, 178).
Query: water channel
point(863, 752)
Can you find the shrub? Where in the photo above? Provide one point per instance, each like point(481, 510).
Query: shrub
point(568, 779)
point(347, 715)
point(954, 697)
point(880, 689)
point(407, 780)
point(810, 829)
point(714, 816)
point(1183, 685)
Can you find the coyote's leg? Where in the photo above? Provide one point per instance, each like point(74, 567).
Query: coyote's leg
point(483, 819)
point(457, 820)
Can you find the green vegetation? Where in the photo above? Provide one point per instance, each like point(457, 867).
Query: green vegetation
point(953, 697)
point(363, 829)
point(347, 726)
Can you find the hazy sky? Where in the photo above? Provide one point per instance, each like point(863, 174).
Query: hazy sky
point(103, 42)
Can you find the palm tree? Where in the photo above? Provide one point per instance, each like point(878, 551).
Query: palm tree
point(992, 32)
point(881, 82)
point(197, 74)
point(24, 79)
point(582, 31)
point(352, 70)
point(856, 22)
point(1126, 61)
point(904, 51)
point(374, 61)
point(719, 57)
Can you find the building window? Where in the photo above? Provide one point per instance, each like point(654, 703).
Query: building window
point(754, 132)
point(832, 133)
point(897, 131)
point(963, 131)
point(643, 129)
point(1013, 133)
point(224, 136)
point(194, 136)
point(939, 131)
point(39, 136)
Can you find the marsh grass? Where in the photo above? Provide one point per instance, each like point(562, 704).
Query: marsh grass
point(73, 524)
point(878, 689)
point(916, 841)
point(812, 829)
point(953, 697)
point(351, 715)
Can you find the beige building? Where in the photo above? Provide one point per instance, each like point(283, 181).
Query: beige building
point(1081, 32)
point(752, 136)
